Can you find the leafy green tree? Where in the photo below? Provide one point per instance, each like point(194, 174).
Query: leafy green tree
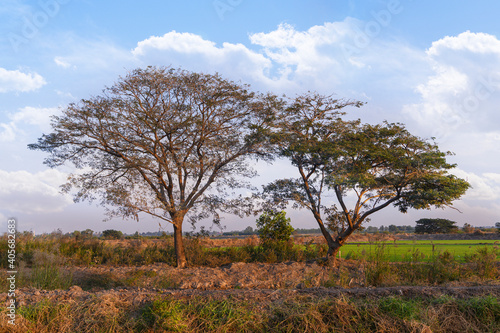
point(274, 227)
point(377, 165)
point(157, 141)
point(112, 234)
point(371, 229)
point(392, 228)
point(87, 233)
point(434, 226)
point(248, 231)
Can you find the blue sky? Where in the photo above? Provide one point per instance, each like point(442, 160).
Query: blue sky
point(434, 66)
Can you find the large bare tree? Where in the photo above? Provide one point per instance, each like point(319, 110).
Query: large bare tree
point(162, 141)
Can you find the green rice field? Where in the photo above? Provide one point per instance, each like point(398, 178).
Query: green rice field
point(419, 250)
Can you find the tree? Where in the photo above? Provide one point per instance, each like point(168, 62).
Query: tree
point(112, 234)
point(435, 226)
point(274, 227)
point(374, 165)
point(393, 229)
point(77, 234)
point(87, 233)
point(169, 143)
point(248, 231)
point(468, 228)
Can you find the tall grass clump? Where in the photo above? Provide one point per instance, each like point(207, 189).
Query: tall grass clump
point(378, 270)
point(45, 273)
point(484, 262)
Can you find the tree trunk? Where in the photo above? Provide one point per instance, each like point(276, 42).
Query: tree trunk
point(336, 244)
point(180, 254)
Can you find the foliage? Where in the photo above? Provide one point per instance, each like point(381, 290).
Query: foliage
point(434, 226)
point(274, 226)
point(112, 234)
point(380, 165)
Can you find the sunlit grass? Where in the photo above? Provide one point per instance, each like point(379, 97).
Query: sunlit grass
point(404, 250)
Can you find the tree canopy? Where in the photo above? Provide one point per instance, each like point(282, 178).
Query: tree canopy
point(435, 226)
point(166, 142)
point(366, 167)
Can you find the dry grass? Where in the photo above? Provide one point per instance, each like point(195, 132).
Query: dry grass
point(111, 313)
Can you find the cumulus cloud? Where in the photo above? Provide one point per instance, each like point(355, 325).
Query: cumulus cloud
point(39, 117)
point(35, 116)
point(463, 93)
point(30, 193)
point(19, 81)
point(195, 53)
point(485, 186)
point(327, 58)
point(473, 42)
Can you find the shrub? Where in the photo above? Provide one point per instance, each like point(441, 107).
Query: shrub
point(112, 234)
point(274, 227)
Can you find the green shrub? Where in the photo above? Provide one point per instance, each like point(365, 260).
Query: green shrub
point(274, 227)
point(112, 234)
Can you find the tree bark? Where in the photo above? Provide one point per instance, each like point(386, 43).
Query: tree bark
point(337, 243)
point(180, 254)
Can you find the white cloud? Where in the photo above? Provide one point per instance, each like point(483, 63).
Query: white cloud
point(30, 193)
point(192, 52)
point(39, 117)
point(62, 63)
point(18, 81)
point(463, 94)
point(7, 132)
point(327, 58)
point(473, 42)
point(35, 116)
point(483, 187)
point(289, 47)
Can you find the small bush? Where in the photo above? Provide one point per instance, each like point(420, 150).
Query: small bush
point(274, 227)
point(112, 234)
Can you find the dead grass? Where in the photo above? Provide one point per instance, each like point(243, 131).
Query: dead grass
point(113, 312)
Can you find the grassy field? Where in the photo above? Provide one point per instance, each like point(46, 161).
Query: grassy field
point(307, 313)
point(419, 250)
